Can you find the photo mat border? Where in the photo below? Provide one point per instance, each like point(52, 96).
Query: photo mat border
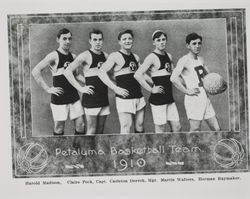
point(18, 29)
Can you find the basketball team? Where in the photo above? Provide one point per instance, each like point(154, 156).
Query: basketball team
point(93, 71)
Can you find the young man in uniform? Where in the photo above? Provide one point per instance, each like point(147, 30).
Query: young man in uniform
point(191, 69)
point(130, 103)
point(159, 65)
point(64, 97)
point(95, 93)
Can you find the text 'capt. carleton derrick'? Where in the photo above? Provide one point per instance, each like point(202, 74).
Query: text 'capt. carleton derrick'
point(161, 149)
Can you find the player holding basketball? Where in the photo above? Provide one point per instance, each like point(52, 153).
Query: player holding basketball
point(95, 93)
point(191, 69)
point(159, 65)
point(130, 103)
point(64, 97)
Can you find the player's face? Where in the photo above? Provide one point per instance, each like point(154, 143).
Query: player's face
point(160, 42)
point(195, 46)
point(65, 41)
point(96, 41)
point(126, 41)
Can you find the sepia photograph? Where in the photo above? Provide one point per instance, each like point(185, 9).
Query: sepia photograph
point(129, 99)
point(128, 93)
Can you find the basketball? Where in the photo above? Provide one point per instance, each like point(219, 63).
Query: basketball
point(228, 153)
point(32, 158)
point(214, 84)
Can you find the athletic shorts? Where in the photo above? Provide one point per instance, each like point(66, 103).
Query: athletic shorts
point(199, 107)
point(61, 112)
point(163, 113)
point(97, 111)
point(130, 105)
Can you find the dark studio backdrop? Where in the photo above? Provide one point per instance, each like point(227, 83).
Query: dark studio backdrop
point(214, 50)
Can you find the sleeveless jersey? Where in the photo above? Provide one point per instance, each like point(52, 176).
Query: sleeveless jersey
point(70, 94)
point(195, 71)
point(100, 97)
point(161, 77)
point(126, 80)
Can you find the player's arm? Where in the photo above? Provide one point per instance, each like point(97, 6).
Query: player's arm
point(145, 75)
point(171, 59)
point(110, 72)
point(177, 80)
point(140, 74)
point(144, 80)
point(103, 75)
point(68, 73)
point(49, 60)
point(80, 77)
point(77, 73)
point(148, 79)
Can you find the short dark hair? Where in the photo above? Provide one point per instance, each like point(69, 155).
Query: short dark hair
point(157, 34)
point(63, 31)
point(95, 31)
point(192, 36)
point(128, 31)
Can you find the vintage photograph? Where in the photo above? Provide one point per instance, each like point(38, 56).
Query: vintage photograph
point(128, 93)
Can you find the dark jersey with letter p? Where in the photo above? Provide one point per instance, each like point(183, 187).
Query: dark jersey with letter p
point(70, 94)
point(127, 81)
point(164, 80)
point(100, 96)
